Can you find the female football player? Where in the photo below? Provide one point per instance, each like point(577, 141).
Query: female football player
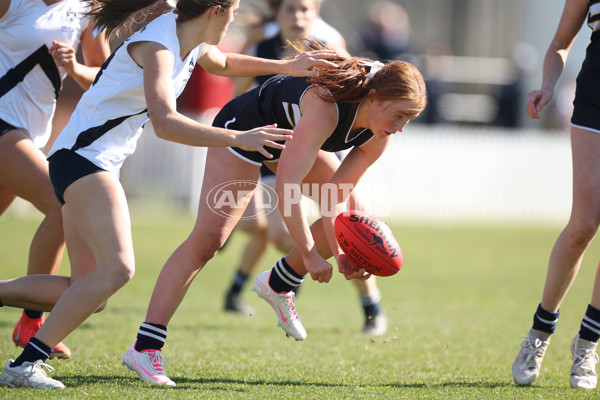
point(357, 106)
point(139, 82)
point(292, 20)
point(571, 244)
point(39, 43)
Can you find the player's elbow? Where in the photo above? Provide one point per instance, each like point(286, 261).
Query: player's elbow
point(162, 126)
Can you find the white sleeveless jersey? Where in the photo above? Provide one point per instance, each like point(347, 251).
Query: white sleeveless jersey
point(109, 118)
point(26, 26)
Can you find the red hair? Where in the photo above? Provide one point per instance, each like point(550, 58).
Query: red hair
point(397, 80)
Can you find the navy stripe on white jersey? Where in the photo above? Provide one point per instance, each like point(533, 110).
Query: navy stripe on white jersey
point(594, 15)
point(88, 136)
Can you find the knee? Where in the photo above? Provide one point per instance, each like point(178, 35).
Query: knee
point(120, 275)
point(202, 250)
point(582, 231)
point(283, 243)
point(101, 307)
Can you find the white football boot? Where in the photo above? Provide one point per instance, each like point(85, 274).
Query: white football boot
point(585, 358)
point(29, 374)
point(283, 305)
point(526, 367)
point(149, 365)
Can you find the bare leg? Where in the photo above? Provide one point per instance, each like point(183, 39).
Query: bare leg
point(95, 214)
point(31, 182)
point(258, 242)
point(208, 235)
point(566, 256)
point(6, 199)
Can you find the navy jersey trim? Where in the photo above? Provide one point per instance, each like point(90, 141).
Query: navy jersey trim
point(90, 135)
point(17, 74)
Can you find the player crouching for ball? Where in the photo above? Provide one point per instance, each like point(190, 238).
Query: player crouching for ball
point(359, 106)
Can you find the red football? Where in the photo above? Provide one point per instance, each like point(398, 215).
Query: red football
point(368, 242)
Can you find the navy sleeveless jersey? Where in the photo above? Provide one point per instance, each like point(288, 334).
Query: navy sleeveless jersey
point(278, 102)
point(269, 49)
point(588, 80)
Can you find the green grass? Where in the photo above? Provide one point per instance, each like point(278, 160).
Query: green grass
point(457, 309)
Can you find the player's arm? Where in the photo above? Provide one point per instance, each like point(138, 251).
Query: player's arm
point(4, 4)
point(319, 119)
point(169, 124)
point(233, 64)
point(346, 178)
point(573, 17)
point(95, 50)
point(244, 83)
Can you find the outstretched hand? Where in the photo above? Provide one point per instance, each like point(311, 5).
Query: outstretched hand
point(266, 136)
point(349, 270)
point(536, 100)
point(300, 65)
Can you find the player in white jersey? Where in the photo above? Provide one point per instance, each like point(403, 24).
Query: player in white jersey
point(139, 82)
point(39, 40)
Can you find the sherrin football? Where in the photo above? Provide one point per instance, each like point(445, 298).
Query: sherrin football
point(368, 242)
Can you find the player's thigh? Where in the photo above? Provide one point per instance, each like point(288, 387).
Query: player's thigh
point(97, 205)
point(276, 227)
point(81, 258)
point(228, 185)
point(325, 165)
point(585, 147)
point(6, 199)
point(24, 171)
point(253, 219)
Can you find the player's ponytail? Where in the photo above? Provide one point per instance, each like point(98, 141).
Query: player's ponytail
point(115, 15)
point(354, 78)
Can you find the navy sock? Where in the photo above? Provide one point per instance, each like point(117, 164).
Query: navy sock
point(151, 336)
point(33, 351)
point(34, 314)
point(239, 280)
point(590, 325)
point(283, 278)
point(370, 304)
point(545, 321)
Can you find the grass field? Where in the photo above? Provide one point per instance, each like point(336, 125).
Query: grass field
point(457, 309)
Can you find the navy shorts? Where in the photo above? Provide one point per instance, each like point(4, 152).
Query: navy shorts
point(229, 118)
point(66, 167)
point(586, 116)
point(5, 127)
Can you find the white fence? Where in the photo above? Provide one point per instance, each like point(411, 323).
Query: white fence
point(428, 173)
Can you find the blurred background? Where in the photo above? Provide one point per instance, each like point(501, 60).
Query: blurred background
point(473, 155)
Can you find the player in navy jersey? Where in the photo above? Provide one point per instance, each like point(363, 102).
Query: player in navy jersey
point(39, 41)
point(358, 106)
point(293, 20)
point(566, 256)
point(139, 82)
